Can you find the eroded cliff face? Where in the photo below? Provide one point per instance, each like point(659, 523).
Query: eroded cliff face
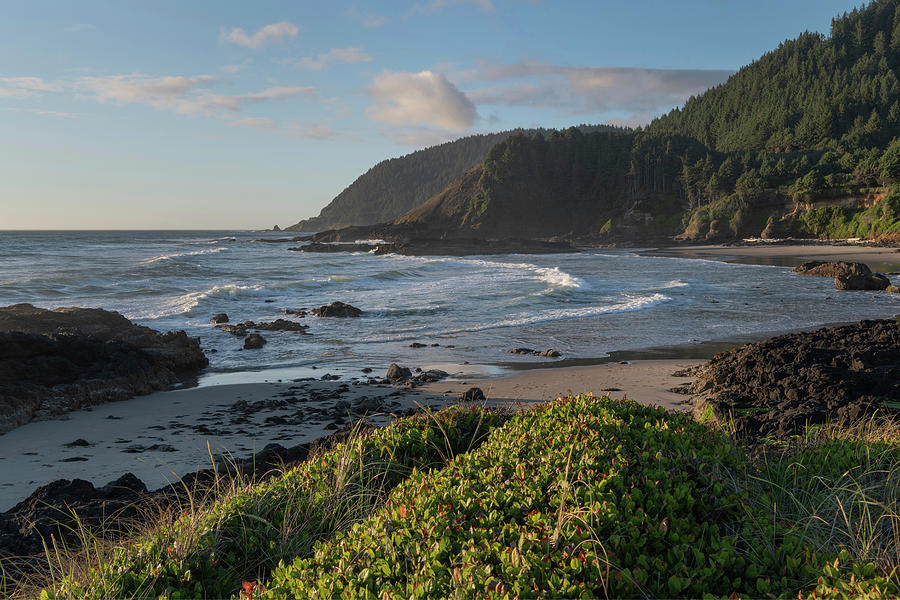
point(55, 361)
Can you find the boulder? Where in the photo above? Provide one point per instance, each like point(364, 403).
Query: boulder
point(254, 341)
point(281, 325)
point(472, 394)
point(56, 361)
point(397, 373)
point(892, 289)
point(417, 345)
point(859, 277)
point(219, 318)
point(818, 268)
point(336, 309)
point(238, 329)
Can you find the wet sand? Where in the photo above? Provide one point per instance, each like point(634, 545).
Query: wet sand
point(162, 436)
point(789, 255)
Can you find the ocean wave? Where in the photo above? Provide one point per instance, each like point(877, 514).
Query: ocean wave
point(174, 255)
point(552, 275)
point(522, 319)
point(675, 283)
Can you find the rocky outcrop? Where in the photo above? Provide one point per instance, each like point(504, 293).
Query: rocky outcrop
point(254, 341)
point(397, 373)
point(847, 275)
point(776, 387)
point(241, 329)
point(337, 309)
point(472, 394)
point(549, 353)
point(422, 245)
point(55, 361)
point(219, 318)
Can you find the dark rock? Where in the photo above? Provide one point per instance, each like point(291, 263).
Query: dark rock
point(847, 275)
point(55, 361)
point(861, 279)
point(778, 386)
point(281, 325)
point(546, 353)
point(298, 312)
point(397, 373)
point(892, 289)
point(238, 329)
point(219, 318)
point(472, 394)
point(417, 345)
point(79, 443)
point(366, 369)
point(254, 341)
point(522, 351)
point(337, 309)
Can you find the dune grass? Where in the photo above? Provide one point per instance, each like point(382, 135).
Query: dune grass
point(236, 530)
point(581, 497)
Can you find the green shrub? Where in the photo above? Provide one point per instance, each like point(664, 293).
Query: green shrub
point(210, 550)
point(583, 497)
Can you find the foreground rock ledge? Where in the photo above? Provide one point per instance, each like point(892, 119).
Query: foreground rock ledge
point(56, 361)
point(776, 387)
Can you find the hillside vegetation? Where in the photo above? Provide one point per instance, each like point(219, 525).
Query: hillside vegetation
point(581, 497)
point(397, 185)
point(802, 142)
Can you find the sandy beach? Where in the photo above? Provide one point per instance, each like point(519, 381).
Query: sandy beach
point(164, 435)
point(878, 258)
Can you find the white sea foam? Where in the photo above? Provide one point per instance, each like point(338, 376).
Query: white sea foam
point(562, 314)
point(182, 254)
point(675, 283)
point(552, 275)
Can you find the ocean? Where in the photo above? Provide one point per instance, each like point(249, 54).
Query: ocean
point(468, 311)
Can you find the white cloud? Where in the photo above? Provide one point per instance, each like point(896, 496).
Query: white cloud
point(180, 94)
point(581, 90)
point(25, 86)
point(424, 98)
point(272, 33)
point(367, 20)
point(350, 55)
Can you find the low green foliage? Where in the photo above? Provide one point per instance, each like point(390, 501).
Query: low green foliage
point(583, 497)
point(209, 551)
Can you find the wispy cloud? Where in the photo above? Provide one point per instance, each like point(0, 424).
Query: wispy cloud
point(367, 20)
point(26, 86)
point(436, 5)
point(581, 90)
point(79, 27)
point(350, 55)
point(46, 113)
point(291, 129)
point(425, 98)
point(180, 94)
point(269, 34)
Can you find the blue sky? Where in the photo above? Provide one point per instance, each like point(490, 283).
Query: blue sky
point(222, 114)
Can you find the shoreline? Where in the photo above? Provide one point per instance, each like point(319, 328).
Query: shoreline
point(163, 436)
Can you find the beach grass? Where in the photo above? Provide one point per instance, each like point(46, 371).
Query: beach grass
point(581, 497)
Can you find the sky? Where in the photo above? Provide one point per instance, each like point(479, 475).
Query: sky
point(126, 114)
